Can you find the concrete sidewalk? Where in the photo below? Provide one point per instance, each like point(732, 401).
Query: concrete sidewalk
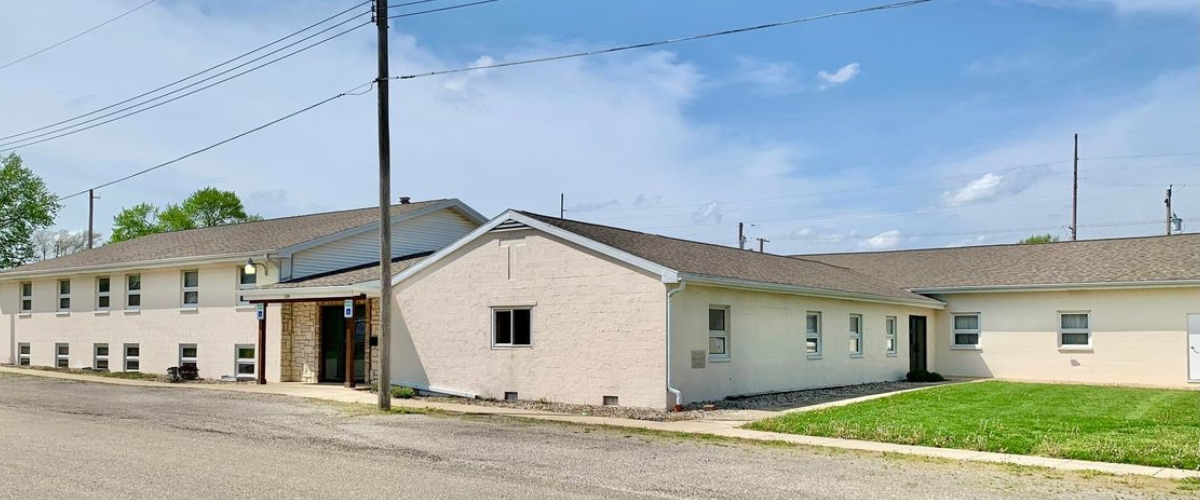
point(723, 428)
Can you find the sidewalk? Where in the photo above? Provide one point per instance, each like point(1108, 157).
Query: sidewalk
point(723, 428)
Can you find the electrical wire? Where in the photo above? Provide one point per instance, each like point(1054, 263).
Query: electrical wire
point(430, 11)
point(77, 35)
point(643, 45)
point(351, 92)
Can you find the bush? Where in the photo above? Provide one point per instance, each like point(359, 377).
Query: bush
point(398, 391)
point(924, 376)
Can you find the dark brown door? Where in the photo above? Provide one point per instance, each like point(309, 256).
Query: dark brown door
point(916, 343)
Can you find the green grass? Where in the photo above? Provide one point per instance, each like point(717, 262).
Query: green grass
point(1105, 424)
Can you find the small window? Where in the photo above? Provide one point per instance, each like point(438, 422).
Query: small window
point(718, 333)
point(1074, 330)
point(103, 293)
point(966, 330)
point(187, 355)
point(812, 334)
point(62, 355)
point(23, 354)
point(64, 295)
point(26, 297)
point(133, 291)
point(891, 335)
point(100, 357)
point(245, 368)
point(245, 281)
point(512, 327)
point(856, 335)
point(191, 288)
point(133, 357)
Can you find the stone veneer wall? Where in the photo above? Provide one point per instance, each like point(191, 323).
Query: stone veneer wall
point(301, 341)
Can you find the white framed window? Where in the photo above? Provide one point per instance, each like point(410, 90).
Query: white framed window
point(245, 367)
point(245, 281)
point(23, 354)
point(133, 291)
point(512, 327)
point(64, 295)
point(133, 357)
point(1074, 330)
point(718, 333)
point(191, 289)
point(100, 356)
point(812, 334)
point(26, 297)
point(890, 325)
point(187, 355)
point(62, 355)
point(856, 335)
point(966, 331)
point(103, 293)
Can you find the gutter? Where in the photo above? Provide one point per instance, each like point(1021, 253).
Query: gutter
point(132, 266)
point(670, 387)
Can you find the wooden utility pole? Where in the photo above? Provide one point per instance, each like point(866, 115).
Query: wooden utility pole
point(91, 217)
point(1075, 193)
point(385, 209)
point(742, 235)
point(761, 242)
point(1169, 213)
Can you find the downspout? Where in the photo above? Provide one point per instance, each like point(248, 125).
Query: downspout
point(670, 387)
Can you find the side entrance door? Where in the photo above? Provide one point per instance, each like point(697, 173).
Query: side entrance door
point(1194, 347)
point(916, 343)
point(333, 344)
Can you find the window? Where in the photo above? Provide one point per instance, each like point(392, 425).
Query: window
point(191, 288)
point(103, 289)
point(62, 355)
point(245, 281)
point(23, 354)
point(245, 367)
point(812, 334)
point(966, 330)
point(891, 335)
point(100, 357)
point(856, 335)
point(187, 355)
point(718, 333)
point(133, 357)
point(512, 327)
point(1074, 330)
point(133, 291)
point(64, 295)
point(26, 297)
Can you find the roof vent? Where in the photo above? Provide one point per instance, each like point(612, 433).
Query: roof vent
point(404, 200)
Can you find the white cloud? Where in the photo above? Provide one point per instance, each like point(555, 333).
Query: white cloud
point(1125, 6)
point(842, 75)
point(769, 77)
point(992, 185)
point(883, 241)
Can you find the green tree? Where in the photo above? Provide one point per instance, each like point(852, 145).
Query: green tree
point(206, 207)
point(1039, 238)
point(26, 206)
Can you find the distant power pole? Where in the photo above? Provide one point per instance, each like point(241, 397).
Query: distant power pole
point(1075, 193)
point(562, 205)
point(761, 242)
point(742, 235)
point(1169, 213)
point(91, 217)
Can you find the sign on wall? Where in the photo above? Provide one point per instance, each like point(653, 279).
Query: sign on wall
point(261, 309)
point(348, 308)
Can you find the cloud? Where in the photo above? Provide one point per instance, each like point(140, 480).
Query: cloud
point(883, 241)
point(1125, 6)
point(710, 212)
point(992, 185)
point(593, 206)
point(842, 75)
point(769, 77)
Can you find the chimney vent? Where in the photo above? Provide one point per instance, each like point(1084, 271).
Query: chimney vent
point(404, 200)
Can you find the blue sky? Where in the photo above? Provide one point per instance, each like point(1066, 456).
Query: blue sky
point(947, 123)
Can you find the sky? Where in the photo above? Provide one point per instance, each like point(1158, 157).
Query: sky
point(943, 124)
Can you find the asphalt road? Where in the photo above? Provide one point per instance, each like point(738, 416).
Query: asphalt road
point(63, 439)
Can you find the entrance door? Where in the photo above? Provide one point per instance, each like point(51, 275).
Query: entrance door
point(916, 343)
point(333, 344)
point(1194, 347)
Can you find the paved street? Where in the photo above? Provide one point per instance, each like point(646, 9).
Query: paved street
point(65, 439)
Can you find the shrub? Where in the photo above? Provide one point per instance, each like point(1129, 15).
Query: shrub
point(924, 376)
point(402, 392)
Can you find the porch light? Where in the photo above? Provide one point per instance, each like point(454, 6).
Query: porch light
point(250, 269)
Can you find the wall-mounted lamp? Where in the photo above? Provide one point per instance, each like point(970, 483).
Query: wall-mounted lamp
point(252, 267)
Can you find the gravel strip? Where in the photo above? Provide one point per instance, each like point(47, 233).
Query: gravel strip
point(812, 396)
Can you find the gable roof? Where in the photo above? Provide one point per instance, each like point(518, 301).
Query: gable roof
point(676, 259)
point(1125, 261)
point(352, 275)
point(233, 240)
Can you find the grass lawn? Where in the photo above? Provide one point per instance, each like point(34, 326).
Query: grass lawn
point(1104, 424)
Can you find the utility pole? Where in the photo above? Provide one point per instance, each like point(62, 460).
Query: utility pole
point(1169, 213)
point(741, 235)
point(562, 205)
point(761, 242)
point(385, 209)
point(91, 217)
point(1075, 193)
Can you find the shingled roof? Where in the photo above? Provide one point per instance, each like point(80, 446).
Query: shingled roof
point(353, 275)
point(704, 259)
point(1124, 260)
point(251, 237)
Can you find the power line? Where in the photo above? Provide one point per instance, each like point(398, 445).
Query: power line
point(1132, 157)
point(353, 91)
point(64, 130)
point(77, 35)
point(969, 232)
point(643, 45)
point(193, 75)
point(430, 11)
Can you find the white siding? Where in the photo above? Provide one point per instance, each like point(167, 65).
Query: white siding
point(426, 233)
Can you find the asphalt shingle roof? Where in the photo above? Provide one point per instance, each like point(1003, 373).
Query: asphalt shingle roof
point(251, 237)
point(714, 260)
point(1125, 260)
point(353, 275)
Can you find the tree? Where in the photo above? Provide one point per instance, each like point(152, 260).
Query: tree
point(207, 207)
point(1039, 238)
point(26, 206)
point(53, 244)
